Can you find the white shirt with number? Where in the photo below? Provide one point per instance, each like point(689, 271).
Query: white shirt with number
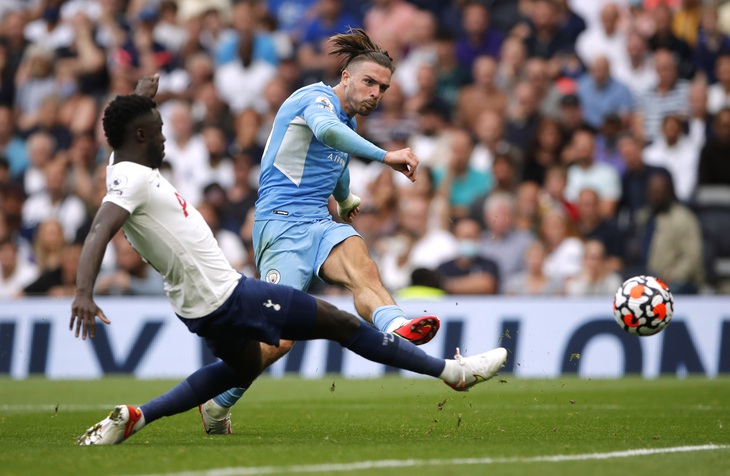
point(172, 236)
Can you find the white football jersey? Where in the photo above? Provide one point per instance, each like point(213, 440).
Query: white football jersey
point(172, 236)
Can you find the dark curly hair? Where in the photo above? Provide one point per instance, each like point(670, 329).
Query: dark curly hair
point(356, 45)
point(120, 113)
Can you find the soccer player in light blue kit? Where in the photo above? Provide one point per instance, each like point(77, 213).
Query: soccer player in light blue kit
point(305, 161)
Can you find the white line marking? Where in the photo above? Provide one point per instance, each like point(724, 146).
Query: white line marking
point(409, 463)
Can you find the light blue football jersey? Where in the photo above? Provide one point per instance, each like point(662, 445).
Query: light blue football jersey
point(298, 171)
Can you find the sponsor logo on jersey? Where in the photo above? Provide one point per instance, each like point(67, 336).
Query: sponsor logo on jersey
point(325, 103)
point(281, 212)
point(273, 277)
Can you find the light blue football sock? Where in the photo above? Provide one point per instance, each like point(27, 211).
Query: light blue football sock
point(384, 316)
point(229, 398)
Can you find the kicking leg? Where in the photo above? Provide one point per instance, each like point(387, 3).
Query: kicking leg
point(349, 265)
point(317, 319)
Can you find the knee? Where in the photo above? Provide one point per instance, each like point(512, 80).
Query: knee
point(271, 354)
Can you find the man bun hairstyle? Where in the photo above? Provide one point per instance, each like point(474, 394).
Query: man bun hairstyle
point(120, 113)
point(355, 46)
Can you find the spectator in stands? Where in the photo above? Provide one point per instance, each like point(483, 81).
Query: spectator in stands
point(711, 44)
point(533, 281)
point(544, 152)
point(329, 19)
point(523, 116)
point(596, 278)
point(601, 95)
point(512, 58)
point(564, 247)
point(635, 68)
point(61, 281)
point(48, 245)
point(422, 49)
point(55, 201)
point(607, 143)
point(538, 72)
point(47, 120)
point(489, 131)
point(469, 273)
point(431, 142)
point(450, 75)
point(714, 164)
point(478, 37)
point(604, 40)
point(501, 241)
point(718, 94)
point(669, 96)
point(458, 182)
point(230, 242)
point(50, 31)
point(220, 165)
point(482, 95)
point(131, 276)
point(244, 69)
point(34, 81)
point(664, 38)
point(634, 181)
point(587, 173)
point(425, 284)
point(12, 145)
point(679, 154)
point(391, 22)
point(14, 44)
point(527, 206)
point(571, 115)
point(15, 272)
point(185, 151)
point(668, 240)
point(553, 192)
point(414, 245)
point(594, 227)
point(570, 23)
point(686, 21)
point(545, 38)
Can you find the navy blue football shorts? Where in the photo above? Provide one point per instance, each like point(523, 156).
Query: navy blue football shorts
point(257, 311)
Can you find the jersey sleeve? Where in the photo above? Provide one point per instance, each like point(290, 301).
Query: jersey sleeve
point(126, 188)
point(322, 116)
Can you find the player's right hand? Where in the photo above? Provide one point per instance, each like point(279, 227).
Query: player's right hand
point(404, 161)
point(147, 86)
point(84, 312)
point(349, 208)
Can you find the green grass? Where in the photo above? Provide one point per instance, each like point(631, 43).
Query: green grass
point(290, 421)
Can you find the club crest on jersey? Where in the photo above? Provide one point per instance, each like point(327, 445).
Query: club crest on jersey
point(118, 184)
point(273, 277)
point(325, 103)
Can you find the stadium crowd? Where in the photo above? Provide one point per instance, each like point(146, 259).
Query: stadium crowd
point(564, 145)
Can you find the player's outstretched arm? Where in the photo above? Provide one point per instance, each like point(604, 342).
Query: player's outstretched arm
point(84, 311)
point(404, 161)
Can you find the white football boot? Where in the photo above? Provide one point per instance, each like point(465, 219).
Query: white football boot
point(216, 419)
point(121, 423)
point(476, 369)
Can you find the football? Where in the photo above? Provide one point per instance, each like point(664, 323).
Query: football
point(643, 305)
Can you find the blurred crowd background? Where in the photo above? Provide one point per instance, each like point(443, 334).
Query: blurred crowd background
point(564, 144)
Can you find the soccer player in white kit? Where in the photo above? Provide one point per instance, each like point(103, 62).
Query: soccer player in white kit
point(233, 313)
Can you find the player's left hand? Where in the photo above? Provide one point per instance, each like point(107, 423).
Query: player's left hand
point(84, 312)
point(147, 86)
point(349, 208)
point(404, 161)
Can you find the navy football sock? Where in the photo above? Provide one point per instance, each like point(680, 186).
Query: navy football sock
point(202, 385)
point(391, 350)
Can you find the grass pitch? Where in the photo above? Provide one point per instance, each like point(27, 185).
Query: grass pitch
point(388, 426)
